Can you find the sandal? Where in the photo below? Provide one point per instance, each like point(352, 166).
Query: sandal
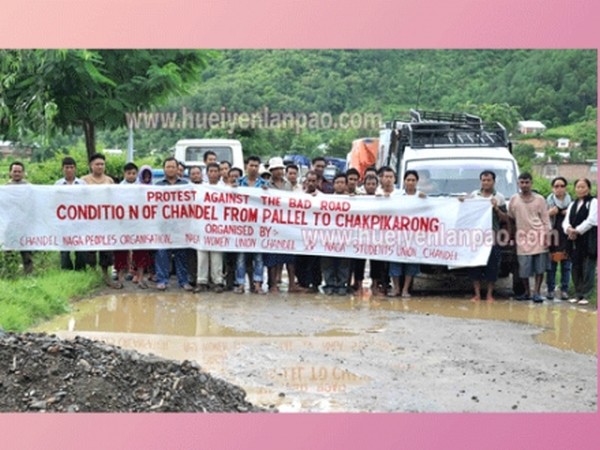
point(142, 285)
point(238, 290)
point(117, 285)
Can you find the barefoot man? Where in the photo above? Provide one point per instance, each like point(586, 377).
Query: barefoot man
point(489, 272)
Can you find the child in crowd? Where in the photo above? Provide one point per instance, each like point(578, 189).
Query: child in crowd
point(136, 260)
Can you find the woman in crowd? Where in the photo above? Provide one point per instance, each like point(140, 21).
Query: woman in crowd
point(143, 260)
point(558, 202)
point(581, 228)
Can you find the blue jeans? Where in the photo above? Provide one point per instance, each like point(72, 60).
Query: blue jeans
point(163, 266)
point(257, 268)
point(565, 276)
point(336, 272)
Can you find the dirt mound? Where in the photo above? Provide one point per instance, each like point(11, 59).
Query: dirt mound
point(44, 373)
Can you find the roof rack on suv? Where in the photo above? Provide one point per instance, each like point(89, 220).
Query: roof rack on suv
point(437, 116)
point(436, 129)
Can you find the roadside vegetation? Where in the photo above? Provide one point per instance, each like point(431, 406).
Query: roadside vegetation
point(28, 300)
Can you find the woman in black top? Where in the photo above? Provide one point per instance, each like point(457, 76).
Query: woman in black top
point(581, 227)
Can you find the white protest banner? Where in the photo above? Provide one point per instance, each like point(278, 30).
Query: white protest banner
point(396, 228)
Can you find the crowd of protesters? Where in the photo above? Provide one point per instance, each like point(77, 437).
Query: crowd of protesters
point(571, 246)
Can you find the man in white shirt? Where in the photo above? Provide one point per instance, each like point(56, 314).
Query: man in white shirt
point(69, 168)
point(210, 261)
point(16, 172)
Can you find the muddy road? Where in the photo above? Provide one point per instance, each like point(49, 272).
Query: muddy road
point(314, 353)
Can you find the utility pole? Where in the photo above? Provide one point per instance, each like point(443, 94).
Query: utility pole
point(419, 87)
point(130, 145)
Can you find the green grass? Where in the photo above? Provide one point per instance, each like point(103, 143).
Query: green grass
point(26, 301)
point(567, 131)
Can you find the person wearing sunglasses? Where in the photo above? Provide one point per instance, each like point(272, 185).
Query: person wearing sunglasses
point(557, 203)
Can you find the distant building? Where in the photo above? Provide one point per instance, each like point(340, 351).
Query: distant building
point(531, 127)
point(7, 148)
point(563, 143)
point(564, 155)
point(113, 151)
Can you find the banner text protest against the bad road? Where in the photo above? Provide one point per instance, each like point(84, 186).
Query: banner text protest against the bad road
point(396, 228)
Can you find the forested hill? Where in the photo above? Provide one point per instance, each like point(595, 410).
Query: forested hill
point(554, 86)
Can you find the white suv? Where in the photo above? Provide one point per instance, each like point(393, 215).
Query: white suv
point(191, 151)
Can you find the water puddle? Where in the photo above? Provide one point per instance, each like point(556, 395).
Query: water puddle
point(185, 326)
point(181, 327)
point(566, 326)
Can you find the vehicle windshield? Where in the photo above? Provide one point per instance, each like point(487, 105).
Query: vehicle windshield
point(461, 176)
point(223, 153)
point(330, 172)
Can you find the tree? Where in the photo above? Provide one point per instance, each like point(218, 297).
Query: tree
point(45, 89)
point(504, 113)
point(524, 154)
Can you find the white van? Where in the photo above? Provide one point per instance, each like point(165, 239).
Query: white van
point(191, 151)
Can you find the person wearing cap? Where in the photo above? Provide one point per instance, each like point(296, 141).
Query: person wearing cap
point(264, 173)
point(275, 261)
point(277, 180)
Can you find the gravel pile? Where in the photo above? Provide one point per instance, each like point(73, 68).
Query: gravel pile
point(44, 373)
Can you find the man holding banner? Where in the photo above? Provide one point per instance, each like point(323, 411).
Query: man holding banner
point(489, 272)
point(252, 179)
point(97, 176)
point(69, 168)
point(163, 256)
point(16, 172)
